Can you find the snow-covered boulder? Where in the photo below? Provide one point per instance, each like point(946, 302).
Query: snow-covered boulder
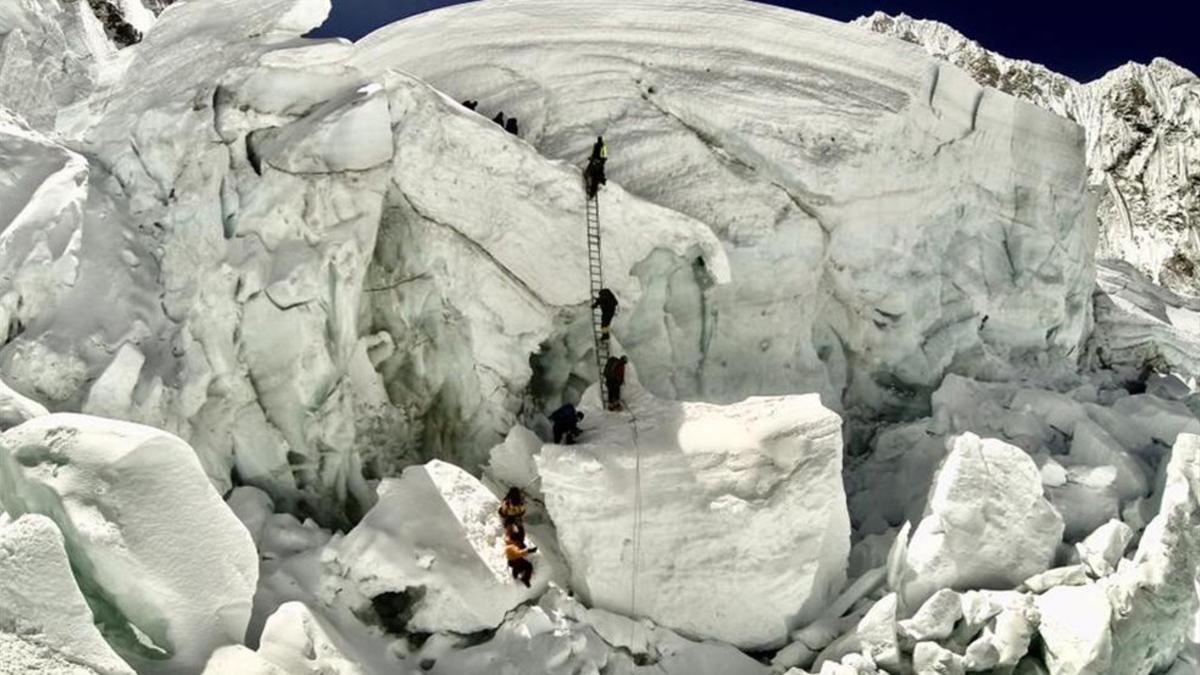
point(295, 640)
point(40, 603)
point(434, 537)
point(988, 523)
point(165, 563)
point(726, 522)
point(1105, 547)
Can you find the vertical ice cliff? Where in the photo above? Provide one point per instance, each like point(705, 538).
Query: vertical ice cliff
point(1143, 142)
point(812, 150)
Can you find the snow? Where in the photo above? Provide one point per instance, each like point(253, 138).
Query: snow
point(434, 536)
point(988, 524)
point(724, 522)
point(164, 562)
point(40, 603)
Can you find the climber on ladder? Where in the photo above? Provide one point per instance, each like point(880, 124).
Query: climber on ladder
point(607, 302)
point(594, 177)
point(614, 378)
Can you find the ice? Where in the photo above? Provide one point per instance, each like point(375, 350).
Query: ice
point(434, 538)
point(815, 193)
point(15, 408)
point(931, 659)
point(1075, 630)
point(935, 619)
point(1093, 446)
point(558, 636)
point(40, 603)
point(1105, 547)
point(725, 522)
point(168, 569)
point(1154, 599)
point(988, 525)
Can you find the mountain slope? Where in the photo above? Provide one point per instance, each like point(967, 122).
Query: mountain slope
point(1143, 143)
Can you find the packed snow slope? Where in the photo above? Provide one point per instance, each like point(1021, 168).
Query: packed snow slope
point(1143, 142)
point(886, 219)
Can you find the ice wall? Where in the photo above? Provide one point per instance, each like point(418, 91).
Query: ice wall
point(886, 218)
point(311, 265)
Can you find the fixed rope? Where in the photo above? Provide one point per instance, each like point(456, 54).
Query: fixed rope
point(637, 520)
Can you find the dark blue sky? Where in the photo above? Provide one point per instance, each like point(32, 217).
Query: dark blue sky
point(1081, 39)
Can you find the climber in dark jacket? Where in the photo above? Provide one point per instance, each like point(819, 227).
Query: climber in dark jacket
point(566, 424)
point(499, 119)
point(607, 302)
point(511, 126)
point(594, 176)
point(614, 378)
point(512, 509)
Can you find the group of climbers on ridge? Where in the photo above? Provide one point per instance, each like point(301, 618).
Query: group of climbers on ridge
point(512, 516)
point(509, 124)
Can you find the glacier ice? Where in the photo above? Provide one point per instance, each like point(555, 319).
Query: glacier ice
point(988, 524)
point(40, 603)
point(434, 539)
point(676, 511)
point(169, 585)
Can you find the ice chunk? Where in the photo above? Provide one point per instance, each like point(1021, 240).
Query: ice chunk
point(1075, 630)
point(297, 641)
point(15, 408)
point(929, 658)
point(669, 505)
point(1154, 598)
point(253, 507)
point(238, 660)
point(1072, 575)
point(40, 603)
point(936, 618)
point(166, 565)
point(1161, 419)
point(434, 541)
point(988, 525)
point(1084, 508)
point(1103, 549)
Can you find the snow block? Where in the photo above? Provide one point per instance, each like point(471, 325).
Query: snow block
point(987, 524)
point(1075, 629)
point(163, 561)
point(434, 538)
point(726, 522)
point(40, 603)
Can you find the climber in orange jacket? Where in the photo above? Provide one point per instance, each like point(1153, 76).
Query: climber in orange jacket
point(516, 552)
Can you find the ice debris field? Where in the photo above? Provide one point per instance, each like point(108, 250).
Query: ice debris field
point(910, 337)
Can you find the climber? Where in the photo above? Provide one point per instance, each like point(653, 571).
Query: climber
point(499, 119)
point(614, 377)
point(566, 424)
point(594, 176)
point(607, 302)
point(470, 105)
point(512, 509)
point(511, 126)
point(515, 551)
